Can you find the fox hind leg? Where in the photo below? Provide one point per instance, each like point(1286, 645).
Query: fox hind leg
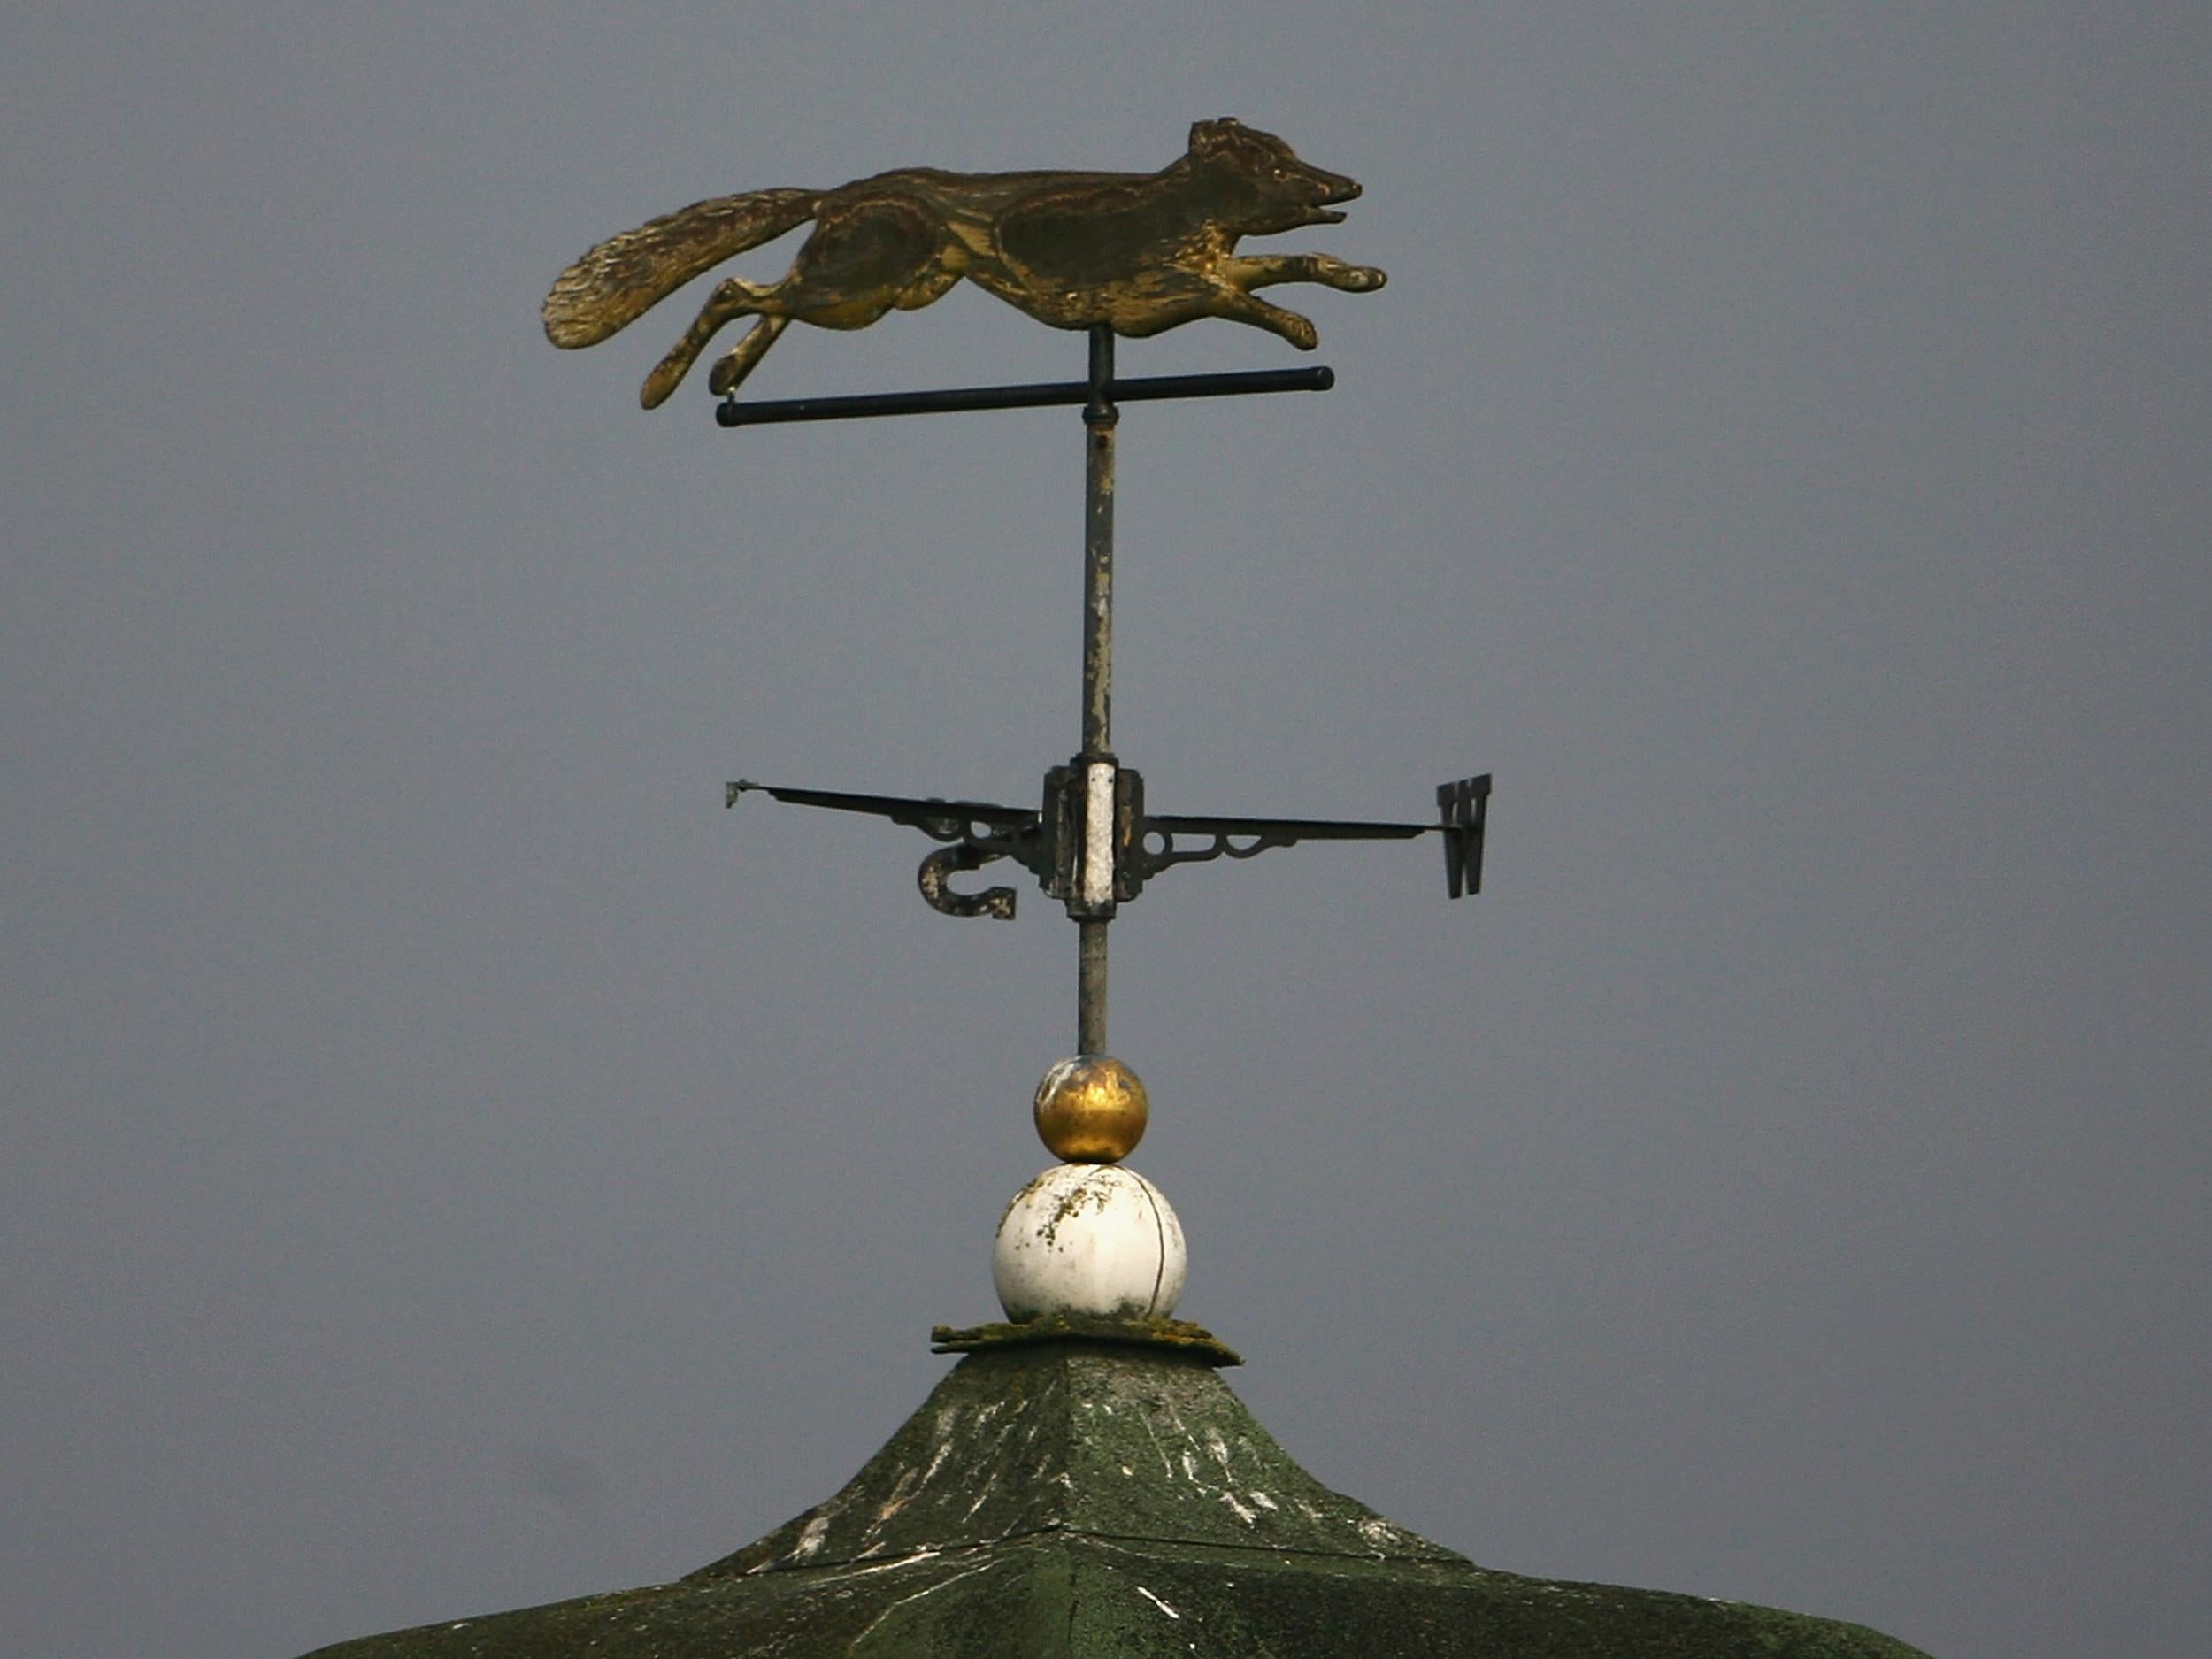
point(730, 300)
point(832, 308)
point(868, 255)
point(741, 358)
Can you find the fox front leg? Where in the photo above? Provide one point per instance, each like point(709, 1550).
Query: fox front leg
point(730, 300)
point(1232, 298)
point(1257, 270)
point(1237, 306)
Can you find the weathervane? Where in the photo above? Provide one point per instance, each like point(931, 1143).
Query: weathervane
point(996, 1510)
point(1109, 253)
point(1089, 1248)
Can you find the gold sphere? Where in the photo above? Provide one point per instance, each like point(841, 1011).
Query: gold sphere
point(1091, 1110)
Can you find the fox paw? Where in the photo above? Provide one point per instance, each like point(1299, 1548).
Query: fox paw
point(665, 377)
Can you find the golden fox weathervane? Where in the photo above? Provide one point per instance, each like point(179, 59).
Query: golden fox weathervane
point(1111, 253)
point(1137, 252)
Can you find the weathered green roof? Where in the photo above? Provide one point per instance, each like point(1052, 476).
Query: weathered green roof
point(1060, 1499)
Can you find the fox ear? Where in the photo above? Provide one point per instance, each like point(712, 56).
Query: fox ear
point(1205, 135)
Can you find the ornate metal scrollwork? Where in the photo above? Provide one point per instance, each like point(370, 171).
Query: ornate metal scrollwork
point(1157, 849)
point(934, 877)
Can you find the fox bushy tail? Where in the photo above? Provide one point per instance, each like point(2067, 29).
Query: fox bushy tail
point(625, 276)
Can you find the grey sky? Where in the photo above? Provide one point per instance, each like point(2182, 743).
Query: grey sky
point(455, 1164)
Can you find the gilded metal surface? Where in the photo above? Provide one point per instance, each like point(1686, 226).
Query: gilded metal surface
point(1091, 1110)
point(1137, 252)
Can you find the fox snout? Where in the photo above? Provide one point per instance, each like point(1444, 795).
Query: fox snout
point(1314, 190)
point(1324, 191)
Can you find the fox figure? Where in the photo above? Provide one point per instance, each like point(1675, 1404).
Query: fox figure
point(1141, 253)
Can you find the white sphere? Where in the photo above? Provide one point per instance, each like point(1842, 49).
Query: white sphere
point(1092, 1239)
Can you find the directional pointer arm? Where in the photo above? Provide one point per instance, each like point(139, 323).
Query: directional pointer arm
point(978, 832)
point(940, 820)
point(1160, 842)
point(1463, 806)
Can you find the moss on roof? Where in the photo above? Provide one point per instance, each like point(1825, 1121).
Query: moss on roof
point(1063, 1500)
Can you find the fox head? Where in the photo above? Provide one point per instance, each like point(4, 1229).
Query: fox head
point(1279, 192)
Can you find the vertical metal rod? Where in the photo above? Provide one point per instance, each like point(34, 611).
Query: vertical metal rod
point(1099, 418)
point(1090, 971)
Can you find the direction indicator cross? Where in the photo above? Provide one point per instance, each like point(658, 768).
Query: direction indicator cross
point(1090, 843)
point(1049, 843)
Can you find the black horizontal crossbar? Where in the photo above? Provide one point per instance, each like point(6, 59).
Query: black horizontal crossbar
point(730, 412)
